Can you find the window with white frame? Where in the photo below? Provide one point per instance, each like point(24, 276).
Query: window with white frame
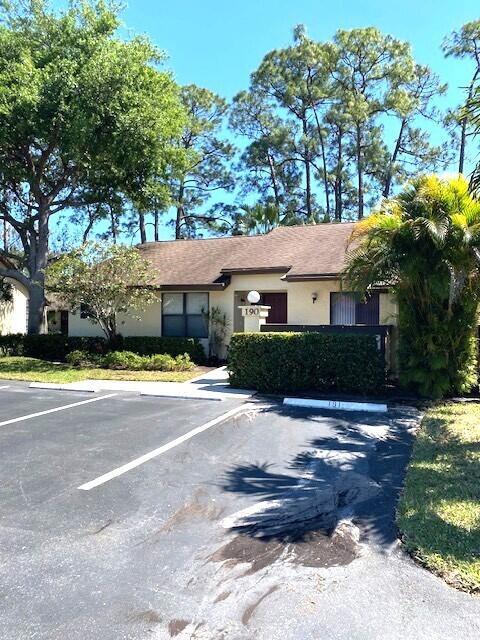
point(184, 315)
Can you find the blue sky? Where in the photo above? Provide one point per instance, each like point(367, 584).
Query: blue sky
point(216, 43)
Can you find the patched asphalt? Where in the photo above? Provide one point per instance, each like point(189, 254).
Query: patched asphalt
point(278, 523)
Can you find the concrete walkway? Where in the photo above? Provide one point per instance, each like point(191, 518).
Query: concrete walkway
point(212, 385)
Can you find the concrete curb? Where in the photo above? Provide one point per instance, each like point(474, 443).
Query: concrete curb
point(187, 396)
point(60, 387)
point(178, 391)
point(336, 405)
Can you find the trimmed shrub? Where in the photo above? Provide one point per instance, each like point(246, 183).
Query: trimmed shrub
point(151, 345)
point(123, 360)
point(57, 346)
point(130, 361)
point(80, 358)
point(49, 346)
point(12, 344)
point(159, 362)
point(183, 362)
point(165, 362)
point(291, 362)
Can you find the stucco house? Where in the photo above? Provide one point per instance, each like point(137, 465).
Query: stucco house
point(13, 314)
point(295, 269)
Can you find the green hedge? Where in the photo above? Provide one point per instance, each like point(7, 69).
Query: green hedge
point(57, 346)
point(292, 362)
point(49, 346)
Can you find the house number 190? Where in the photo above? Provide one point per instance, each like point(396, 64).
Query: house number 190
point(252, 311)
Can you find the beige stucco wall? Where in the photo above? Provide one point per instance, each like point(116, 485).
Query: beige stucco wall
point(13, 315)
point(78, 326)
point(300, 308)
point(150, 323)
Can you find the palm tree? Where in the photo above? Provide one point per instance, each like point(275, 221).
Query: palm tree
point(425, 244)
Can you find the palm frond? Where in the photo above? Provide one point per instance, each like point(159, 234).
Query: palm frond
point(474, 185)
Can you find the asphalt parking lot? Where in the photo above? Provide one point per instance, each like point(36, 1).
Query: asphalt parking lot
point(128, 517)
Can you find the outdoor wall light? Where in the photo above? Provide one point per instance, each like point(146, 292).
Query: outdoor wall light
point(314, 297)
point(253, 297)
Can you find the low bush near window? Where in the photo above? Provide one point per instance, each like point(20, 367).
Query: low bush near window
point(129, 361)
point(166, 362)
point(183, 362)
point(159, 362)
point(79, 358)
point(291, 362)
point(152, 345)
point(123, 360)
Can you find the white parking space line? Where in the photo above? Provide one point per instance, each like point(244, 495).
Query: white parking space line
point(166, 447)
point(62, 408)
point(5, 386)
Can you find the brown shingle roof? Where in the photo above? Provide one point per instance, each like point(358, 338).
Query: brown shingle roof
point(297, 251)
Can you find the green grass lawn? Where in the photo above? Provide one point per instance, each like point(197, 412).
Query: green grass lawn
point(439, 512)
point(34, 370)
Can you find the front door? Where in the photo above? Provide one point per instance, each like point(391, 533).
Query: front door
point(278, 302)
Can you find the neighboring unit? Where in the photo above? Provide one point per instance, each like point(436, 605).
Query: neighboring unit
point(14, 313)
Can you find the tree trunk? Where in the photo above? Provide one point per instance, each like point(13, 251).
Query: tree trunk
point(112, 331)
point(36, 305)
point(37, 265)
point(143, 232)
point(5, 236)
point(156, 226)
point(393, 159)
point(463, 135)
point(324, 163)
point(113, 226)
point(463, 130)
point(308, 179)
point(338, 179)
point(180, 213)
point(359, 171)
point(273, 177)
point(178, 223)
point(88, 228)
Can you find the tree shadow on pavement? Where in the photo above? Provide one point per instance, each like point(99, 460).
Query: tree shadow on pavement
point(355, 472)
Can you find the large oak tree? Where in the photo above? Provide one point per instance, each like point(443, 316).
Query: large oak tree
point(82, 113)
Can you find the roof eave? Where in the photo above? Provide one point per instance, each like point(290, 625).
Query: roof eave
point(255, 270)
point(210, 286)
point(304, 277)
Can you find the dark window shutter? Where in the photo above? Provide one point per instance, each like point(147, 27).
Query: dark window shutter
point(368, 312)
